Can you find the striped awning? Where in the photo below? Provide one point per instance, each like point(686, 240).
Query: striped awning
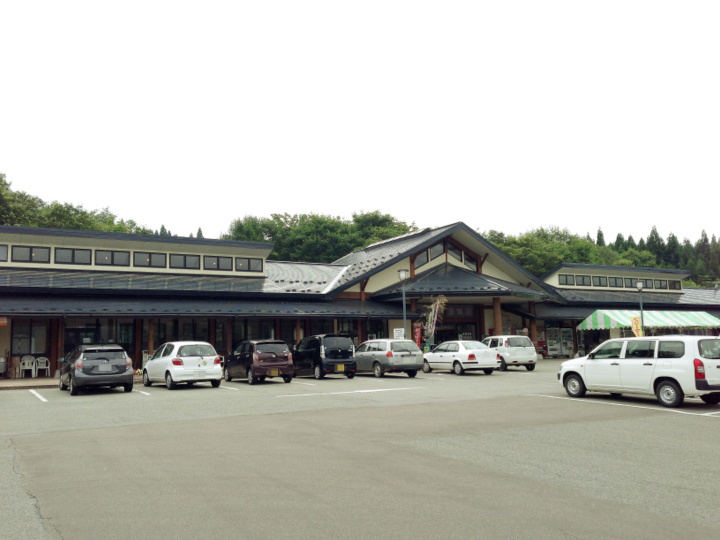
point(616, 318)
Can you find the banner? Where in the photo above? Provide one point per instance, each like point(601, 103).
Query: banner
point(636, 327)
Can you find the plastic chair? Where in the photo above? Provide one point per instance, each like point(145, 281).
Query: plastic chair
point(3, 367)
point(28, 362)
point(42, 363)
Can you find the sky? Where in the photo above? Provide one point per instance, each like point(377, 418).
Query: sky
point(506, 115)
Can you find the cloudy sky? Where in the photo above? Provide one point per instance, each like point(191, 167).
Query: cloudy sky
point(507, 115)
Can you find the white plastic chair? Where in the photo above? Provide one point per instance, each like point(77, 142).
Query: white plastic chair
point(28, 362)
point(42, 363)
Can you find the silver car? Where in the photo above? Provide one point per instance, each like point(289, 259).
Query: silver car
point(381, 356)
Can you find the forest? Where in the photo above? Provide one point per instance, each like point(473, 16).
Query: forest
point(322, 238)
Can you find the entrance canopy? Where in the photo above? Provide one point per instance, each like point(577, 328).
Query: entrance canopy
point(614, 318)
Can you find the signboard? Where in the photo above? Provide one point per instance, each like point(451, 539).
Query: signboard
point(399, 333)
point(636, 328)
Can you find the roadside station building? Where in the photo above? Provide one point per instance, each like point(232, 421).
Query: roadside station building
point(62, 288)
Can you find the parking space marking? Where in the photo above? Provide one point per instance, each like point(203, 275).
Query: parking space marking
point(34, 393)
point(351, 392)
point(143, 393)
point(229, 388)
point(657, 409)
point(305, 383)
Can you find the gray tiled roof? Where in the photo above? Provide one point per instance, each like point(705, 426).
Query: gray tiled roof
point(689, 297)
point(291, 277)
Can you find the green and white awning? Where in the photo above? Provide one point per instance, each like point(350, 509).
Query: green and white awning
point(615, 318)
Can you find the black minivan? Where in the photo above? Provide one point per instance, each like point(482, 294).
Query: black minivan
point(325, 354)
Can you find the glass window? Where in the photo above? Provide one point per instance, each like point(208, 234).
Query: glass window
point(609, 350)
point(599, 281)
point(30, 254)
point(661, 284)
point(421, 259)
point(72, 256)
point(583, 280)
point(615, 282)
point(565, 279)
point(3, 253)
point(112, 258)
point(640, 349)
point(675, 285)
point(471, 263)
point(218, 263)
point(672, 349)
point(455, 252)
point(247, 264)
point(436, 251)
point(29, 337)
point(189, 262)
point(155, 260)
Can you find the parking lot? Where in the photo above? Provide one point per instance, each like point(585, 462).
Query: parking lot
point(437, 456)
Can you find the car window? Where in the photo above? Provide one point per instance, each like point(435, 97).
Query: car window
point(453, 347)
point(277, 348)
point(671, 349)
point(404, 346)
point(441, 348)
point(196, 349)
point(112, 354)
point(493, 343)
point(362, 348)
point(640, 349)
point(238, 350)
point(474, 345)
point(709, 348)
point(609, 350)
point(344, 343)
point(519, 342)
point(167, 351)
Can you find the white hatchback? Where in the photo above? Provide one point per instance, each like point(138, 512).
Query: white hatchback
point(669, 367)
point(461, 356)
point(183, 362)
point(513, 351)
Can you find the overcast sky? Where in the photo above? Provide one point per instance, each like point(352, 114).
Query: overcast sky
point(507, 115)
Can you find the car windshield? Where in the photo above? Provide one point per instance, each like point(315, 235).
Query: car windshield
point(474, 345)
point(519, 342)
point(404, 346)
point(343, 343)
point(710, 349)
point(114, 354)
point(196, 349)
point(277, 348)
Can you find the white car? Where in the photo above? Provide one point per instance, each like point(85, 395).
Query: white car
point(461, 356)
point(513, 351)
point(183, 362)
point(669, 367)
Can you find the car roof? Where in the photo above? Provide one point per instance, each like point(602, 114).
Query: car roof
point(102, 347)
point(186, 343)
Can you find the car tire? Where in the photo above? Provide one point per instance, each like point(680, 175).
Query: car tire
point(411, 373)
point(458, 369)
point(530, 367)
point(169, 381)
point(128, 387)
point(287, 378)
point(250, 377)
point(711, 399)
point(215, 383)
point(226, 375)
point(61, 384)
point(318, 372)
point(146, 379)
point(503, 365)
point(488, 371)
point(350, 375)
point(574, 386)
point(669, 394)
point(426, 367)
point(74, 390)
point(378, 370)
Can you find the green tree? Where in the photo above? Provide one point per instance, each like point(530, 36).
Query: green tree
point(656, 246)
point(600, 238)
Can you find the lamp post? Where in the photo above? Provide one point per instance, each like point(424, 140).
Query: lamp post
point(639, 286)
point(403, 274)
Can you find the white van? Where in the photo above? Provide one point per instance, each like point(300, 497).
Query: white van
point(513, 351)
point(669, 367)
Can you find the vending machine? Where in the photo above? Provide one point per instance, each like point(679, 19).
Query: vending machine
point(552, 336)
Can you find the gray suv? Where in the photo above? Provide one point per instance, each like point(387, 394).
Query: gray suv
point(89, 366)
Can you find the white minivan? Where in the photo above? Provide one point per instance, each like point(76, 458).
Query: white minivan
point(669, 367)
point(513, 351)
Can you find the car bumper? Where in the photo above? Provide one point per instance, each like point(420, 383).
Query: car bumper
point(200, 375)
point(339, 367)
point(399, 368)
point(272, 371)
point(84, 380)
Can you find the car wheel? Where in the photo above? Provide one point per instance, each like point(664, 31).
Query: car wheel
point(61, 384)
point(669, 394)
point(458, 369)
point(318, 372)
point(128, 387)
point(227, 375)
point(378, 370)
point(711, 399)
point(350, 375)
point(488, 371)
point(411, 373)
point(287, 378)
point(426, 367)
point(574, 386)
point(503, 365)
point(530, 367)
point(74, 390)
point(169, 381)
point(215, 383)
point(250, 377)
point(146, 379)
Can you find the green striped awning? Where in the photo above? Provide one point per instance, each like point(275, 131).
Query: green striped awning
point(617, 318)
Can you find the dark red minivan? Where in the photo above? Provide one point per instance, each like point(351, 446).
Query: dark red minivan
point(260, 359)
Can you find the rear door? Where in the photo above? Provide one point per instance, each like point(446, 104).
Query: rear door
point(363, 356)
point(272, 353)
point(520, 348)
point(709, 352)
point(638, 364)
point(405, 352)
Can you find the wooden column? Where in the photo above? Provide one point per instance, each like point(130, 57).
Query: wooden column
point(212, 329)
point(229, 335)
point(533, 323)
point(137, 353)
point(298, 331)
point(497, 317)
point(151, 336)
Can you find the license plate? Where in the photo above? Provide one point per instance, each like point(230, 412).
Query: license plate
point(340, 367)
point(105, 368)
point(273, 372)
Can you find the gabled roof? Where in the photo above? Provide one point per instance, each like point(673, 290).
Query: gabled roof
point(292, 277)
point(376, 257)
point(450, 280)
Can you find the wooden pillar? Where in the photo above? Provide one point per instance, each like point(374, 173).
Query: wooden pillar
point(479, 320)
point(298, 332)
point(497, 317)
point(151, 336)
point(278, 329)
point(138, 350)
point(212, 330)
point(55, 352)
point(533, 323)
point(229, 335)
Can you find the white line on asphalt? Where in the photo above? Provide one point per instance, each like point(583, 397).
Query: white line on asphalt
point(229, 388)
point(141, 392)
point(33, 392)
point(305, 383)
point(352, 392)
point(578, 400)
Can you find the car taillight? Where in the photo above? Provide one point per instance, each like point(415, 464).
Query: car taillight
point(290, 358)
point(499, 357)
point(177, 362)
point(218, 360)
point(128, 362)
point(471, 357)
point(389, 354)
point(506, 342)
point(322, 351)
point(699, 369)
point(78, 364)
point(255, 358)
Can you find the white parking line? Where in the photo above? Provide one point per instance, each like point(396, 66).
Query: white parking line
point(351, 392)
point(229, 388)
point(143, 393)
point(305, 383)
point(663, 409)
point(34, 393)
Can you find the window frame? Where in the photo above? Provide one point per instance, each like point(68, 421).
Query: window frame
point(113, 255)
point(218, 258)
point(73, 256)
point(31, 258)
point(249, 267)
point(583, 281)
point(150, 257)
point(566, 279)
point(184, 265)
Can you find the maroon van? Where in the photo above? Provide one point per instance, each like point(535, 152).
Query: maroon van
point(259, 359)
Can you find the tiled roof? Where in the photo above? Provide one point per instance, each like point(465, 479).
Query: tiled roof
point(291, 277)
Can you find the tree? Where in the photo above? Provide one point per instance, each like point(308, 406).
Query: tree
point(656, 246)
point(600, 238)
point(199, 233)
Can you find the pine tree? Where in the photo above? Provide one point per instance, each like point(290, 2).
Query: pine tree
point(600, 238)
point(199, 233)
